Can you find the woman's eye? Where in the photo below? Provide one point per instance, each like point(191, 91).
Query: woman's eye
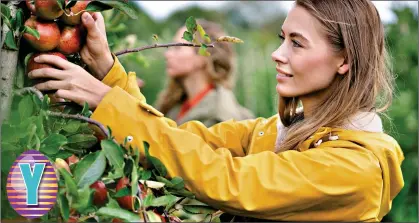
point(282, 38)
point(296, 44)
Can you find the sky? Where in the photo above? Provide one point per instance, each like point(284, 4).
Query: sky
point(161, 9)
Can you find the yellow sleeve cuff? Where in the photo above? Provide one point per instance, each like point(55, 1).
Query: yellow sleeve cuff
point(116, 76)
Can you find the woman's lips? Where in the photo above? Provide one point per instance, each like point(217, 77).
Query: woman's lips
point(283, 73)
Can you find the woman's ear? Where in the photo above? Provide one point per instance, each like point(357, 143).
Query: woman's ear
point(343, 68)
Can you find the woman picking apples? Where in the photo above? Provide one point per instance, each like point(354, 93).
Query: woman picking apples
point(328, 160)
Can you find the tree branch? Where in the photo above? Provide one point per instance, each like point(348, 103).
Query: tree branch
point(159, 46)
point(26, 90)
point(81, 118)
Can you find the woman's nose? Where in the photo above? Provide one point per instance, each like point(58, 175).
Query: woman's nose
point(279, 55)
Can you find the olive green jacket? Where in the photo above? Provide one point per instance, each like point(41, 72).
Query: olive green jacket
point(218, 105)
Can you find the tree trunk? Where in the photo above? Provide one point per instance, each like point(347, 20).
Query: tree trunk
point(8, 63)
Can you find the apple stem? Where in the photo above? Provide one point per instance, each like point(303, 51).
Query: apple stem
point(159, 46)
point(80, 12)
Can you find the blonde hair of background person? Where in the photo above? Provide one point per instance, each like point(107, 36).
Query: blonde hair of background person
point(189, 74)
point(343, 168)
point(219, 67)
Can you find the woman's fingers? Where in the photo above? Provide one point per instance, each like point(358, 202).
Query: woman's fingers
point(54, 60)
point(51, 85)
point(46, 73)
point(65, 94)
point(100, 22)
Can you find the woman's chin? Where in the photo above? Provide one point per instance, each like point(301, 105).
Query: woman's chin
point(282, 91)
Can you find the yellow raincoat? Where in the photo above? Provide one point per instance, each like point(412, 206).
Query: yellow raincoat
point(231, 166)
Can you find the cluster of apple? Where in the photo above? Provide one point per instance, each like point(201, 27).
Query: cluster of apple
point(60, 30)
point(100, 195)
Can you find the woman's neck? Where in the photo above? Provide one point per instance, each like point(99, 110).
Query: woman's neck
point(194, 84)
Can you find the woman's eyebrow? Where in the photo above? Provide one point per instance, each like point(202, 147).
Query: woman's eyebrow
point(296, 34)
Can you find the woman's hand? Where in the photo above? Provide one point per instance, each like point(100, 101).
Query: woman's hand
point(96, 53)
point(71, 82)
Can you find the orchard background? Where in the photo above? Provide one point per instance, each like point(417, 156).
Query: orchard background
point(254, 75)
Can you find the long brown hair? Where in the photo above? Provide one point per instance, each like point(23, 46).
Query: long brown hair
point(354, 29)
point(220, 69)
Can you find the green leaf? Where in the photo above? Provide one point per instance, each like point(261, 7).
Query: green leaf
point(10, 41)
point(38, 102)
point(113, 153)
point(52, 143)
point(90, 169)
point(207, 39)
point(5, 11)
point(158, 165)
point(9, 153)
point(63, 154)
point(32, 32)
point(198, 209)
point(85, 111)
point(166, 182)
point(178, 183)
point(26, 107)
point(112, 203)
point(64, 206)
point(145, 175)
point(182, 193)
point(45, 103)
point(17, 21)
point(70, 4)
point(84, 199)
point(72, 126)
point(96, 6)
point(163, 200)
point(118, 213)
point(187, 36)
point(61, 4)
point(70, 184)
point(203, 50)
point(82, 141)
point(191, 24)
point(123, 192)
point(148, 200)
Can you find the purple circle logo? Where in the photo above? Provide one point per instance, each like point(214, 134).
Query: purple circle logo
point(32, 185)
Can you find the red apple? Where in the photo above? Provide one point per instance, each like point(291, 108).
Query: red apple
point(117, 220)
point(48, 9)
point(72, 159)
point(100, 196)
point(72, 39)
point(73, 219)
point(48, 31)
point(75, 13)
point(30, 4)
point(32, 65)
point(125, 201)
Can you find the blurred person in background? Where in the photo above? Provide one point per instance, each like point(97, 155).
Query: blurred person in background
point(200, 87)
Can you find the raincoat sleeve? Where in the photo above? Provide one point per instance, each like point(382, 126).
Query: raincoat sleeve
point(219, 136)
point(117, 76)
point(327, 184)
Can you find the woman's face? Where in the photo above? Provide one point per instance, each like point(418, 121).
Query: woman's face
point(182, 60)
point(305, 62)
